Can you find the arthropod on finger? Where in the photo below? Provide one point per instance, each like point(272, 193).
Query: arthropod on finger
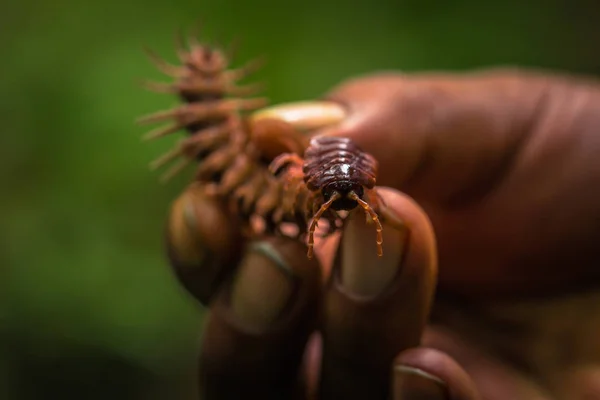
point(339, 176)
point(231, 139)
point(234, 142)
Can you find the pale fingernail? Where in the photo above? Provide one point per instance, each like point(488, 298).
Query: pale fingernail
point(304, 115)
point(415, 384)
point(262, 288)
point(363, 272)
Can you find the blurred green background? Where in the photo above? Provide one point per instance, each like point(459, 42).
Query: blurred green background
point(92, 309)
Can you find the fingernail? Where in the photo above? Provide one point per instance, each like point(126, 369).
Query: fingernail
point(184, 236)
point(415, 384)
point(363, 272)
point(262, 288)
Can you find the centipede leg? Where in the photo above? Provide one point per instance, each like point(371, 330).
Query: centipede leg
point(313, 224)
point(368, 209)
point(163, 65)
point(332, 225)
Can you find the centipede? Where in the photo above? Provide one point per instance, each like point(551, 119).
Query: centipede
point(257, 158)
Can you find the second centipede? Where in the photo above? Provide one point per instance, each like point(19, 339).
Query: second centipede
point(234, 141)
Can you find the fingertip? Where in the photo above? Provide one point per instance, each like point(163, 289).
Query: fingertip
point(413, 237)
point(408, 211)
point(202, 242)
point(377, 306)
point(430, 372)
point(422, 241)
point(267, 266)
point(260, 321)
point(408, 243)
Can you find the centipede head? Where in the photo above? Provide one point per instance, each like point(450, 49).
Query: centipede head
point(345, 199)
point(344, 189)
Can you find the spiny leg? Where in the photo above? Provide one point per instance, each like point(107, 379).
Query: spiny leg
point(313, 224)
point(368, 209)
point(245, 70)
point(163, 66)
point(332, 218)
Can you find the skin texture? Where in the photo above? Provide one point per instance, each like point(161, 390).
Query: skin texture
point(490, 292)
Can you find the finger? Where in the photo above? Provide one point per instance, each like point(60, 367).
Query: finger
point(259, 324)
point(439, 135)
point(202, 242)
point(376, 307)
point(423, 373)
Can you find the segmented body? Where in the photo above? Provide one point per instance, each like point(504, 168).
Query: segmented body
point(234, 161)
point(229, 163)
point(338, 175)
point(332, 162)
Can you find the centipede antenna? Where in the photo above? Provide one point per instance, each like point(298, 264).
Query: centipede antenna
point(331, 226)
point(316, 217)
point(368, 209)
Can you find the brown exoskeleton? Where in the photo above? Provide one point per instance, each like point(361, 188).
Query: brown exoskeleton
point(338, 175)
point(232, 140)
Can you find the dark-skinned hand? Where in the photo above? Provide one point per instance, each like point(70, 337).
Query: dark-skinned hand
point(492, 292)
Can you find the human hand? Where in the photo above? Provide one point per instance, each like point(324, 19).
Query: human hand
point(503, 164)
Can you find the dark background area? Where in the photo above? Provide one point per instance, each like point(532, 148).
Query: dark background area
point(91, 310)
